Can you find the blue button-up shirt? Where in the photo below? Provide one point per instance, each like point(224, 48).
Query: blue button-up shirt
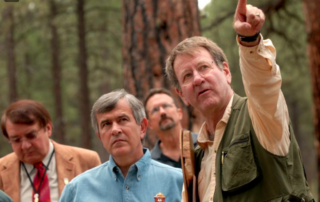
point(144, 180)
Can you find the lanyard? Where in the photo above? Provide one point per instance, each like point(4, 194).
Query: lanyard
point(46, 168)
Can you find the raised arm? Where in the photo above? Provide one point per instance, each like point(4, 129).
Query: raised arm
point(262, 80)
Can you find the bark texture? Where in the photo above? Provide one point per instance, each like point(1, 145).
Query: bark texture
point(151, 29)
point(86, 141)
point(56, 73)
point(11, 59)
point(312, 16)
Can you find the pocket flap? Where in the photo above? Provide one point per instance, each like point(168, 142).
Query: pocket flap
point(239, 167)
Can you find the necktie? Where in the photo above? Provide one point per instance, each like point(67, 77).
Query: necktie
point(41, 192)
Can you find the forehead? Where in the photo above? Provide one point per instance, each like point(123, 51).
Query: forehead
point(193, 58)
point(18, 129)
point(121, 108)
point(158, 99)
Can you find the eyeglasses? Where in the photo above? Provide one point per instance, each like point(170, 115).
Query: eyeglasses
point(188, 76)
point(157, 108)
point(29, 137)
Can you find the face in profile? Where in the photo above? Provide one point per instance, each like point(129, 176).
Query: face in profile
point(162, 112)
point(120, 133)
point(29, 142)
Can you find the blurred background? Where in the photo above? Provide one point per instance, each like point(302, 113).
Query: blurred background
point(67, 53)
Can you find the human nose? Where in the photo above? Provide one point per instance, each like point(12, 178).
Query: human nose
point(116, 130)
point(197, 78)
point(25, 144)
point(162, 110)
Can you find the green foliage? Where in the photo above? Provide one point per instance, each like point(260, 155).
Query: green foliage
point(32, 36)
point(285, 27)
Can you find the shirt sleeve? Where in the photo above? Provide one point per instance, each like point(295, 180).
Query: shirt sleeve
point(184, 193)
point(266, 103)
point(67, 193)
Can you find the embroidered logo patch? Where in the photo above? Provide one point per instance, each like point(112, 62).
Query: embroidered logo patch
point(159, 197)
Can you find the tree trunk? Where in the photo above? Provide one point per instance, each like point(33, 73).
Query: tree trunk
point(151, 29)
point(312, 15)
point(56, 72)
point(83, 76)
point(11, 61)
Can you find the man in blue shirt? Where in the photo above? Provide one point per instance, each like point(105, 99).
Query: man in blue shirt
point(4, 197)
point(119, 121)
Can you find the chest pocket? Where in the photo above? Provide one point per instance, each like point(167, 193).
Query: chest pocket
point(238, 165)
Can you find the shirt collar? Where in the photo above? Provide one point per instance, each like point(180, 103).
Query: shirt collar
point(138, 168)
point(30, 168)
point(156, 151)
point(203, 137)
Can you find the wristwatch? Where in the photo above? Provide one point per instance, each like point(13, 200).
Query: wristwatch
point(249, 38)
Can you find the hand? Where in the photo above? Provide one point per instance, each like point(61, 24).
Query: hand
point(248, 20)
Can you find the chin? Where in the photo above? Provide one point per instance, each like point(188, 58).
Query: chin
point(208, 105)
point(120, 152)
point(34, 157)
point(31, 160)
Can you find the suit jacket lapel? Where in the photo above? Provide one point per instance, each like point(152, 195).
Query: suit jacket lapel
point(65, 166)
point(11, 178)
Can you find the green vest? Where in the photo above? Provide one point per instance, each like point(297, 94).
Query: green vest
point(246, 172)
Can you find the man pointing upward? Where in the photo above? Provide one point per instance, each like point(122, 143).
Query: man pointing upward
point(247, 151)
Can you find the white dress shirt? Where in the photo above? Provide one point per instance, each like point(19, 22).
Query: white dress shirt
point(25, 185)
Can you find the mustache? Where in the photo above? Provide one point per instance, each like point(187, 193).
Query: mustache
point(163, 117)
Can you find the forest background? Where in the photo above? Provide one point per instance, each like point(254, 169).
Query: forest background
point(66, 53)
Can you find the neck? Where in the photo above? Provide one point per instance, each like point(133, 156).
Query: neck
point(125, 162)
point(170, 138)
point(170, 143)
point(213, 117)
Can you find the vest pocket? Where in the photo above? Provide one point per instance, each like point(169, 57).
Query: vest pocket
point(293, 198)
point(238, 164)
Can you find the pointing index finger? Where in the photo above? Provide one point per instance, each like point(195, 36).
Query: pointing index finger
point(242, 7)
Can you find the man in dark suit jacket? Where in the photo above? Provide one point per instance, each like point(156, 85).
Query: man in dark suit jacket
point(27, 125)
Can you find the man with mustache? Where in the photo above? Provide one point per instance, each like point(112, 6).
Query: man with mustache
point(119, 121)
point(164, 118)
point(248, 151)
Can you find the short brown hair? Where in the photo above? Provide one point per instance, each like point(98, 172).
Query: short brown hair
point(26, 112)
point(155, 91)
point(187, 46)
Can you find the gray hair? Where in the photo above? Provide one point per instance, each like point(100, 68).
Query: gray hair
point(108, 102)
point(187, 46)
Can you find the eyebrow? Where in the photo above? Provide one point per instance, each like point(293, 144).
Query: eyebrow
point(31, 131)
point(118, 117)
point(198, 63)
point(103, 121)
point(203, 62)
point(123, 116)
point(183, 72)
point(14, 136)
